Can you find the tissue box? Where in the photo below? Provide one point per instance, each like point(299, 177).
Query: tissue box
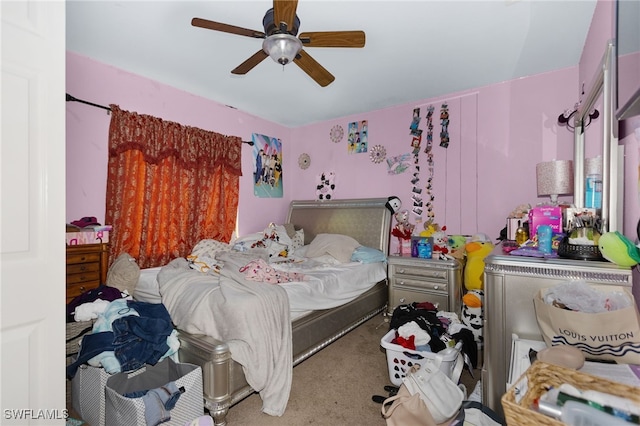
point(545, 215)
point(87, 237)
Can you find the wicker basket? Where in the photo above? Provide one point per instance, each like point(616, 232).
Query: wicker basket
point(539, 377)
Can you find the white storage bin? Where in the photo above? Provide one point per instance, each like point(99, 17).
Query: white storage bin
point(400, 359)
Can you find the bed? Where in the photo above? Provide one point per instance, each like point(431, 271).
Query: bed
point(225, 383)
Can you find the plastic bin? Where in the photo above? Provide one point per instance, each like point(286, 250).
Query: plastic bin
point(401, 359)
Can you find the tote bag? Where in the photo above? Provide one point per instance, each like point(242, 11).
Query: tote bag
point(611, 335)
point(121, 410)
point(426, 397)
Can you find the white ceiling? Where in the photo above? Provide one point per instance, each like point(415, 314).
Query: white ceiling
point(414, 50)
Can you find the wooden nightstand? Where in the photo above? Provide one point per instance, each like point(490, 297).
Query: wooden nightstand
point(413, 279)
point(86, 268)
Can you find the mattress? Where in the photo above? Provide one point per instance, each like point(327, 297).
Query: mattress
point(326, 285)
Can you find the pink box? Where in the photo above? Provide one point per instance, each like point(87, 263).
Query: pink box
point(545, 215)
point(87, 237)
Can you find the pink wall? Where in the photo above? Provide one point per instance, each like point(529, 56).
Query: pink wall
point(88, 127)
point(498, 134)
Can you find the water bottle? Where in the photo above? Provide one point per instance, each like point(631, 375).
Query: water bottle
point(593, 191)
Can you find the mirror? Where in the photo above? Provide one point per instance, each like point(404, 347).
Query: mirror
point(627, 59)
point(602, 86)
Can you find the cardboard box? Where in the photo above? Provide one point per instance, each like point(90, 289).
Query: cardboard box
point(545, 215)
point(87, 237)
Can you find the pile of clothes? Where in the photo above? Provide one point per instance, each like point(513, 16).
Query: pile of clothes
point(422, 327)
point(126, 334)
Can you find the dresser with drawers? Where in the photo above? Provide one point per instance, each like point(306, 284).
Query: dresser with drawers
point(413, 279)
point(87, 266)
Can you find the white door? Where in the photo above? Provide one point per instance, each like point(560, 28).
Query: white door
point(32, 213)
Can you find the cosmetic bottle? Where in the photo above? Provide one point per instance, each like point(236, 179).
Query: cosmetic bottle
point(575, 413)
point(544, 238)
point(521, 234)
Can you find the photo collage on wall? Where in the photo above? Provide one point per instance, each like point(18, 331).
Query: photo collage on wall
point(358, 137)
point(267, 166)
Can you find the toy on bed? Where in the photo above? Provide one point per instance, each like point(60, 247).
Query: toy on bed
point(618, 249)
point(472, 311)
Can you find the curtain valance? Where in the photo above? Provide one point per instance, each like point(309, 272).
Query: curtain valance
point(158, 139)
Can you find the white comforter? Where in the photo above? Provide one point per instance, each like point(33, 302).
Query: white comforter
point(251, 317)
point(254, 318)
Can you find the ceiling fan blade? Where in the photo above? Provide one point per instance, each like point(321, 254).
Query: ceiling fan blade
point(313, 69)
point(284, 11)
point(226, 28)
point(250, 63)
point(333, 39)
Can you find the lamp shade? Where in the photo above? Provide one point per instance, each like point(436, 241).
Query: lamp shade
point(282, 48)
point(554, 178)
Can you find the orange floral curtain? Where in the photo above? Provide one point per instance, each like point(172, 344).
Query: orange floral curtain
point(168, 187)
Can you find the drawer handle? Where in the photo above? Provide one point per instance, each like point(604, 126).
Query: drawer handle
point(82, 289)
point(83, 268)
point(436, 287)
point(401, 282)
point(402, 299)
point(401, 271)
point(83, 258)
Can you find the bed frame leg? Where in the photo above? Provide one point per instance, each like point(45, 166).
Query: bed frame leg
point(218, 412)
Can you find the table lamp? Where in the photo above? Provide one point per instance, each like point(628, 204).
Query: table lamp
point(554, 178)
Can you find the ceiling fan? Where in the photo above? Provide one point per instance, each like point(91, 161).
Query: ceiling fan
point(281, 44)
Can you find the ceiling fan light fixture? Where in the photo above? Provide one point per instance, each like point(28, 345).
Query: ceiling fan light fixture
point(282, 48)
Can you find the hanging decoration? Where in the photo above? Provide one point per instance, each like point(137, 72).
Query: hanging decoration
point(336, 134)
point(357, 138)
point(325, 186)
point(267, 163)
point(416, 141)
point(304, 161)
point(398, 164)
point(430, 167)
point(444, 122)
point(378, 154)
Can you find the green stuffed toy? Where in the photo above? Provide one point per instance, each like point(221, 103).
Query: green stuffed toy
point(617, 248)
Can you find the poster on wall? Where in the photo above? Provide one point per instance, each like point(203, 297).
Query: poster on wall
point(267, 166)
point(358, 137)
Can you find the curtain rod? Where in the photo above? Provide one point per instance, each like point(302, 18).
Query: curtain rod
point(70, 98)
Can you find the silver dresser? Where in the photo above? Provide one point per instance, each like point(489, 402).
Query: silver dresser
point(413, 279)
point(510, 283)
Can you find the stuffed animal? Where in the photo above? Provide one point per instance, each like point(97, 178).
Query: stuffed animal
point(472, 314)
point(441, 241)
point(474, 269)
point(456, 244)
point(617, 248)
point(472, 310)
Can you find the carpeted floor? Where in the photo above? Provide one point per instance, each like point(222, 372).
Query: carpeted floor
point(335, 386)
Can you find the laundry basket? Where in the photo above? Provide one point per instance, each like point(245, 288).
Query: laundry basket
point(400, 359)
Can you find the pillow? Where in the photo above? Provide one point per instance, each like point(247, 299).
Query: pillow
point(291, 230)
point(297, 240)
point(368, 255)
point(339, 246)
point(209, 248)
point(123, 274)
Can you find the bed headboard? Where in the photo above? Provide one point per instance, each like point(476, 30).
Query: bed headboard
point(368, 220)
